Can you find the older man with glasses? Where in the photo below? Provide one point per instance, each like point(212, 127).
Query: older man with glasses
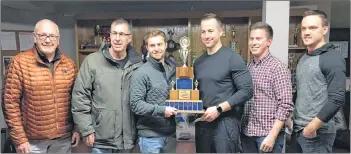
point(37, 95)
point(100, 98)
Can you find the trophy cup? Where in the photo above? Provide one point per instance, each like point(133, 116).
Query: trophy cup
point(184, 51)
point(171, 45)
point(233, 42)
point(97, 38)
point(296, 30)
point(184, 94)
point(295, 34)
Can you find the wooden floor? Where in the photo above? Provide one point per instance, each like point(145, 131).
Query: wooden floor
point(186, 147)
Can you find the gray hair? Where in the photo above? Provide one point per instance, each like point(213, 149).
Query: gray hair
point(120, 21)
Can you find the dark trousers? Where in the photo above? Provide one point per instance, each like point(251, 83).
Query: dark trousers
point(219, 136)
point(322, 143)
point(253, 144)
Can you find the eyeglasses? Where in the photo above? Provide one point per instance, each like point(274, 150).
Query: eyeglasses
point(121, 34)
point(43, 37)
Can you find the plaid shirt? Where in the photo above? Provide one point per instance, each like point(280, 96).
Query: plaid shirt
point(272, 98)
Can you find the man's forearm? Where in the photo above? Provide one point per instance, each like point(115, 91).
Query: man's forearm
point(277, 126)
point(315, 124)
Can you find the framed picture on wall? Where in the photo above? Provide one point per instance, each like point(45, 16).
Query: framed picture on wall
point(5, 63)
point(342, 47)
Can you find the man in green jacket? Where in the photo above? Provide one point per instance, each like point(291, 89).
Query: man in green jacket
point(100, 99)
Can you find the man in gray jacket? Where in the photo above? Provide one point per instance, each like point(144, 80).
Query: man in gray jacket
point(321, 76)
point(100, 99)
point(149, 90)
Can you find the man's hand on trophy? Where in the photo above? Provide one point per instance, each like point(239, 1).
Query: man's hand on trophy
point(211, 114)
point(169, 111)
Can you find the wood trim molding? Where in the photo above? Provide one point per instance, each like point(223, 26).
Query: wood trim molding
point(182, 14)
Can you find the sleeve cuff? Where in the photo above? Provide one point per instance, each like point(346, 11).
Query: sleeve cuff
point(86, 133)
point(21, 141)
point(322, 118)
point(160, 110)
point(281, 116)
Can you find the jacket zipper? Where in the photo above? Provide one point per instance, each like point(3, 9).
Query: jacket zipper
point(54, 93)
point(122, 82)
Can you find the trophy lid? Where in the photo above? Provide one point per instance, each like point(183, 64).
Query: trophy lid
point(184, 42)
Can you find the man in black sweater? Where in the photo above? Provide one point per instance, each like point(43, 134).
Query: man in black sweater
point(225, 84)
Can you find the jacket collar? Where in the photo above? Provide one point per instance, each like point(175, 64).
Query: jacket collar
point(132, 54)
point(159, 66)
point(325, 48)
point(41, 57)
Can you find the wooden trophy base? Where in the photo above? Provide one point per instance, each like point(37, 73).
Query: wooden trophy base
point(184, 72)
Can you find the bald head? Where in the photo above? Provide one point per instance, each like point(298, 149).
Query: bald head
point(44, 23)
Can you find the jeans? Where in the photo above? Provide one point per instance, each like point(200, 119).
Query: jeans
point(105, 150)
point(58, 145)
point(321, 143)
point(253, 144)
point(157, 144)
point(219, 136)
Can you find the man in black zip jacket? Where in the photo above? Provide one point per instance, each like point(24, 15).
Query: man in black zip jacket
point(149, 90)
point(225, 85)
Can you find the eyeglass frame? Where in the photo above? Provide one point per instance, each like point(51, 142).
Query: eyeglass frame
point(47, 36)
point(121, 34)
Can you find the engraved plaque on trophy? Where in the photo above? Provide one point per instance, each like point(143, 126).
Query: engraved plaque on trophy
point(185, 98)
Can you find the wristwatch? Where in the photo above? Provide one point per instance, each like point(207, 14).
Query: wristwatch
point(219, 109)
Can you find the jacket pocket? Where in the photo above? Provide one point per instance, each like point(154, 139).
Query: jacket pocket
point(104, 124)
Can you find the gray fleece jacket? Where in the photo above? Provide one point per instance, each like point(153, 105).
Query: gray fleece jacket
point(149, 90)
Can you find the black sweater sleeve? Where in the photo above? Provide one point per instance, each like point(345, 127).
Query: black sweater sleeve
point(242, 80)
point(333, 67)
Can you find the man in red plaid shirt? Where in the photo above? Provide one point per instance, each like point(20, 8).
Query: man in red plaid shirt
point(271, 105)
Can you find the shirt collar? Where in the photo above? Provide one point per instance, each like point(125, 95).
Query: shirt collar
point(265, 58)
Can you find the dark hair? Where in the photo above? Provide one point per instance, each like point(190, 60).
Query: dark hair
point(319, 13)
point(262, 25)
point(212, 16)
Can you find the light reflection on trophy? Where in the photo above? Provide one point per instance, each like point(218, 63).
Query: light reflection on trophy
point(233, 42)
point(184, 94)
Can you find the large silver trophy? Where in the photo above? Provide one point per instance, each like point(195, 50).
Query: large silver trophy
point(184, 51)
